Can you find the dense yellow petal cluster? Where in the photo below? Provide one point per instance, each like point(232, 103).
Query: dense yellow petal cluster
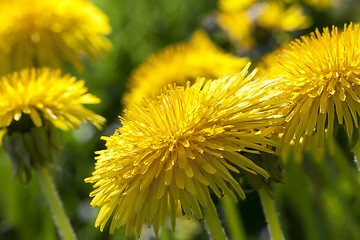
point(45, 94)
point(241, 18)
point(322, 73)
point(173, 150)
point(180, 63)
point(46, 32)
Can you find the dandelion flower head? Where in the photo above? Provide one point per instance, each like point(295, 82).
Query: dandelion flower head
point(240, 19)
point(173, 150)
point(180, 63)
point(278, 16)
point(45, 94)
point(43, 33)
point(322, 73)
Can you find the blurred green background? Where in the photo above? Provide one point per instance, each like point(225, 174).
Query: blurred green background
point(320, 199)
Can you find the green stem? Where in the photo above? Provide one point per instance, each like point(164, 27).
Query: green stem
point(234, 219)
point(164, 234)
point(356, 151)
point(214, 225)
point(344, 165)
point(271, 214)
point(57, 209)
point(302, 201)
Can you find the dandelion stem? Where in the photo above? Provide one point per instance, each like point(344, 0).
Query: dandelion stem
point(346, 169)
point(234, 219)
point(57, 209)
point(164, 235)
point(271, 214)
point(214, 225)
point(356, 151)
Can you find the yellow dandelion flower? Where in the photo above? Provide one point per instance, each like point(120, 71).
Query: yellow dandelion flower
point(33, 102)
point(180, 63)
point(176, 148)
point(45, 94)
point(44, 33)
point(241, 21)
point(322, 72)
point(276, 15)
point(238, 26)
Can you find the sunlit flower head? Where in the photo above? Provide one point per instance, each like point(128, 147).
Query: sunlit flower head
point(33, 103)
point(180, 63)
point(179, 147)
point(47, 32)
point(322, 72)
point(242, 19)
point(45, 94)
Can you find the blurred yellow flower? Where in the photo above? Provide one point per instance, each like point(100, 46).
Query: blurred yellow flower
point(180, 63)
point(234, 5)
point(45, 94)
point(276, 15)
point(238, 26)
point(176, 148)
point(44, 33)
point(321, 72)
point(240, 19)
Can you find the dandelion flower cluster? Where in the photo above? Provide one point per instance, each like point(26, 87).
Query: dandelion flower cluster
point(180, 63)
point(173, 150)
point(45, 94)
point(322, 73)
point(46, 32)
